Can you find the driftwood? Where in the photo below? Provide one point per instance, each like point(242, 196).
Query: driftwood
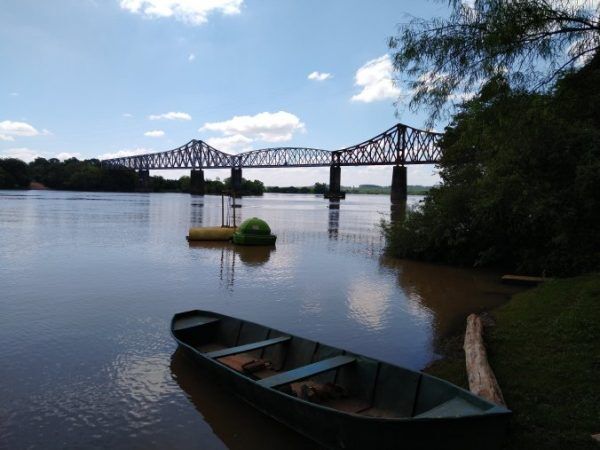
point(521, 280)
point(482, 380)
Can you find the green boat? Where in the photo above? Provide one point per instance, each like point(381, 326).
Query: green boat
point(254, 231)
point(340, 399)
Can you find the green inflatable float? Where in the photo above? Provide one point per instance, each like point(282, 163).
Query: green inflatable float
point(254, 231)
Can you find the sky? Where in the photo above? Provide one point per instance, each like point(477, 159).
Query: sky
point(107, 78)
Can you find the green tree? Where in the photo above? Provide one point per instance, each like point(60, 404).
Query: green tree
point(320, 188)
point(520, 186)
point(85, 177)
point(7, 181)
point(531, 42)
point(184, 183)
point(18, 171)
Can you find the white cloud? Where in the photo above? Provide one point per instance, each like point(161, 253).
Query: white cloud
point(191, 57)
point(154, 133)
point(126, 152)
point(171, 116)
point(67, 155)
point(127, 115)
point(319, 76)
point(234, 143)
point(10, 129)
point(22, 153)
point(14, 94)
point(193, 12)
point(375, 78)
point(265, 126)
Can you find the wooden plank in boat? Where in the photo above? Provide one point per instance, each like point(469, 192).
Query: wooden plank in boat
point(455, 407)
point(308, 371)
point(247, 347)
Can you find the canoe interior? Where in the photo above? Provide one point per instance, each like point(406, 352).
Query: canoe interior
point(321, 374)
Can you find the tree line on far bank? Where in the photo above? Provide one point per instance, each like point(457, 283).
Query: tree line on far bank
point(89, 175)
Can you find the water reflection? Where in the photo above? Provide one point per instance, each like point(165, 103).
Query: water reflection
point(251, 256)
point(196, 211)
point(450, 294)
point(334, 220)
point(368, 302)
point(236, 423)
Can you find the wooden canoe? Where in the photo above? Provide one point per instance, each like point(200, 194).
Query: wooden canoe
point(338, 398)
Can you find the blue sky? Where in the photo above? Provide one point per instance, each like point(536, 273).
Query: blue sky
point(100, 78)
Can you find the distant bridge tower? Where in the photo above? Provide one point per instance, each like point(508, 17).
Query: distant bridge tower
point(197, 182)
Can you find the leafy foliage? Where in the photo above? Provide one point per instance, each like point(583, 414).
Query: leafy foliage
point(317, 188)
point(532, 42)
point(521, 184)
point(13, 173)
point(89, 175)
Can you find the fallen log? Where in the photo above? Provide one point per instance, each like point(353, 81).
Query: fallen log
point(521, 280)
point(482, 380)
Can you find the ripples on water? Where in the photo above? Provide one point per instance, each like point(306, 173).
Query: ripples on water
point(89, 281)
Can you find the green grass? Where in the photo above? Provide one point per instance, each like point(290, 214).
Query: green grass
point(545, 351)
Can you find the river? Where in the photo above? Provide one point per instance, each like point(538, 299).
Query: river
point(89, 282)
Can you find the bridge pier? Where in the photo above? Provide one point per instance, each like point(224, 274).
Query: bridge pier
point(236, 179)
point(399, 189)
point(197, 182)
point(143, 183)
point(335, 186)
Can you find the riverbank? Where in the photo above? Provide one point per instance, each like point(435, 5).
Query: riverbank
point(544, 346)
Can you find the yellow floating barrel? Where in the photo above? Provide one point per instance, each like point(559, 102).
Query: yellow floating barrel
point(210, 233)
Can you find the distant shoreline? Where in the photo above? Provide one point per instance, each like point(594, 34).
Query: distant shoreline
point(41, 187)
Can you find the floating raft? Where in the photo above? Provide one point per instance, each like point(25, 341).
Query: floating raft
point(210, 233)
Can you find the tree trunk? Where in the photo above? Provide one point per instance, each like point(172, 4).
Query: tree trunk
point(482, 381)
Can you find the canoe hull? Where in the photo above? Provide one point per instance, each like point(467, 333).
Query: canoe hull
point(336, 429)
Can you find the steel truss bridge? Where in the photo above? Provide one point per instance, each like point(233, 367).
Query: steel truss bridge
point(400, 145)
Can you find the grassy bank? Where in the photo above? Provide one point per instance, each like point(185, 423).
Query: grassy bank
point(545, 350)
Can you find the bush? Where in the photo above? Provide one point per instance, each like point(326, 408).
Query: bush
point(520, 183)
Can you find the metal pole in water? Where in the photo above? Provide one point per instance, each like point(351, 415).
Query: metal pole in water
point(222, 210)
point(234, 209)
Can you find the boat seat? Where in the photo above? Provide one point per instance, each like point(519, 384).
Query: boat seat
point(454, 407)
point(308, 371)
point(247, 347)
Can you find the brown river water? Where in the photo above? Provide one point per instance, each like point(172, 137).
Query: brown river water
point(89, 282)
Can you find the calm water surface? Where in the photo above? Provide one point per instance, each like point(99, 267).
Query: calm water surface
point(89, 282)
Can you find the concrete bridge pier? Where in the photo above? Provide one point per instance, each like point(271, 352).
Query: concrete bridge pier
point(236, 179)
point(143, 183)
point(399, 186)
point(197, 182)
point(335, 186)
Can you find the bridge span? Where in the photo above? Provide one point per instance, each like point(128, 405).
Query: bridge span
point(398, 146)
